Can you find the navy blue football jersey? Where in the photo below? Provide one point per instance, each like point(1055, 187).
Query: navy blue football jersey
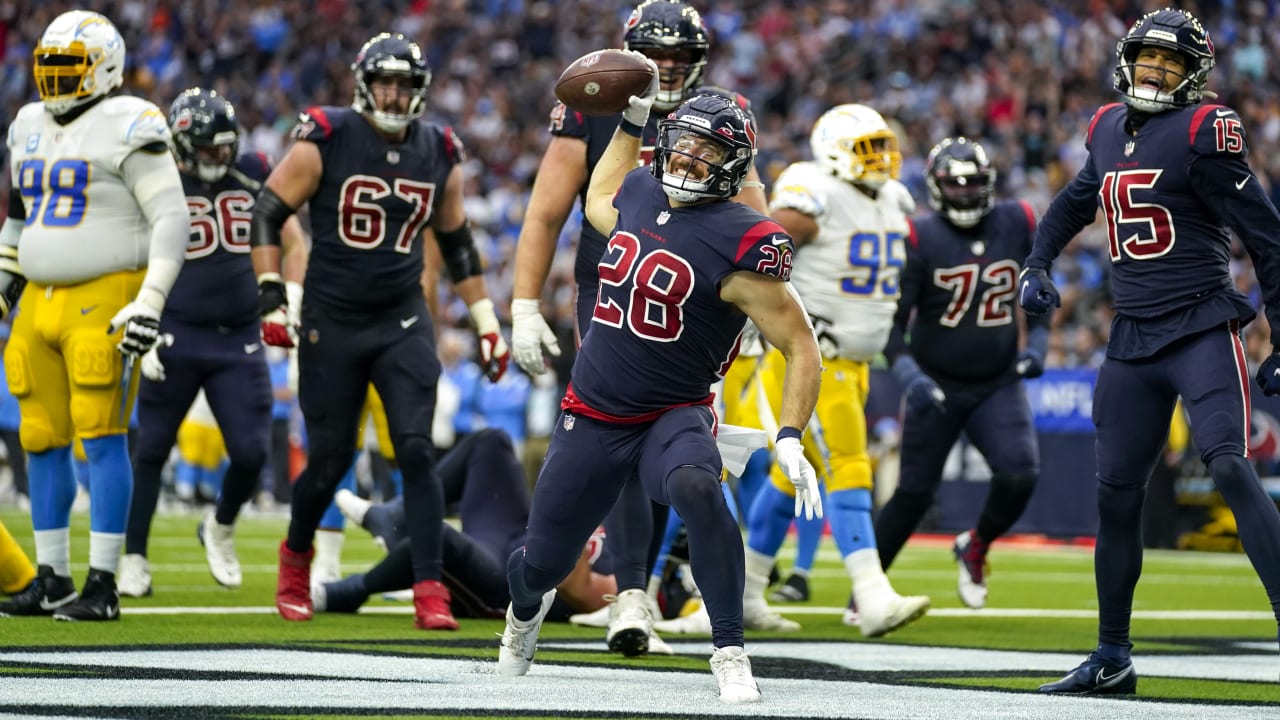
point(961, 284)
point(217, 284)
point(374, 200)
point(596, 131)
point(1168, 196)
point(661, 335)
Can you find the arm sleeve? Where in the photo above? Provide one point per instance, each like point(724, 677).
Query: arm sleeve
point(154, 181)
point(1072, 210)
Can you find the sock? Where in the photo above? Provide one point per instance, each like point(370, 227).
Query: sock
point(1114, 653)
point(869, 580)
point(758, 566)
point(1257, 519)
point(111, 490)
point(849, 512)
point(104, 551)
point(1117, 559)
point(53, 548)
point(328, 560)
point(769, 519)
point(16, 571)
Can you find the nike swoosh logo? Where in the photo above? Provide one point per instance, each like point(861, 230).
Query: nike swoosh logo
point(1240, 185)
point(251, 348)
point(1223, 112)
point(408, 322)
point(46, 605)
point(87, 310)
point(300, 609)
point(1103, 680)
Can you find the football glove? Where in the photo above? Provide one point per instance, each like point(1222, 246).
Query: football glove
point(792, 462)
point(12, 281)
point(140, 321)
point(273, 308)
point(638, 107)
point(152, 368)
point(922, 393)
point(529, 334)
point(1030, 363)
point(494, 354)
point(1268, 376)
point(1037, 292)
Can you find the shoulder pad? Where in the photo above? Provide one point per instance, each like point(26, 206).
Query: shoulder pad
point(453, 147)
point(144, 124)
point(796, 189)
point(567, 121)
point(25, 125)
point(1217, 130)
point(317, 124)
point(766, 248)
point(255, 166)
point(1088, 138)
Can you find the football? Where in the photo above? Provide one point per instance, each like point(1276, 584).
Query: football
point(601, 82)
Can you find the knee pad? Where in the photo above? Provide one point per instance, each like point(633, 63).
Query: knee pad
point(36, 434)
point(1120, 503)
point(691, 489)
point(415, 454)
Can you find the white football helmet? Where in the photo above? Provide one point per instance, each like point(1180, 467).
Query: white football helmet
point(80, 57)
point(856, 144)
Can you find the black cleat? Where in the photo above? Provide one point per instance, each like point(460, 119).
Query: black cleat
point(99, 601)
point(45, 594)
point(795, 589)
point(1097, 676)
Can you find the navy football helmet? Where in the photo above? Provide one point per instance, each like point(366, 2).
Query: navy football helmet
point(961, 181)
point(707, 132)
point(1176, 30)
point(391, 54)
point(206, 136)
point(671, 26)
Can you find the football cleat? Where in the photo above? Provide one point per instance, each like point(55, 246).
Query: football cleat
point(220, 550)
point(293, 584)
point(431, 606)
point(99, 600)
point(134, 579)
point(971, 556)
point(890, 611)
point(795, 589)
point(630, 623)
point(732, 670)
point(1096, 676)
point(596, 618)
point(757, 615)
point(520, 639)
point(42, 596)
point(697, 622)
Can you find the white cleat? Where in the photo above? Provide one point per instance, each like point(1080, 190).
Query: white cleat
point(732, 670)
point(134, 579)
point(757, 615)
point(697, 622)
point(658, 646)
point(890, 612)
point(520, 640)
point(598, 618)
point(352, 506)
point(630, 623)
point(972, 561)
point(220, 551)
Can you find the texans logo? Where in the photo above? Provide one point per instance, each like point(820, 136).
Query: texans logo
point(183, 121)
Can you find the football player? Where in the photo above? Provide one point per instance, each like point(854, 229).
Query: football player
point(964, 368)
point(1170, 175)
point(209, 346)
point(97, 230)
point(682, 272)
point(672, 34)
point(375, 178)
point(849, 233)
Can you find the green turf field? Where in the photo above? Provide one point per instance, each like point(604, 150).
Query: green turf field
point(1205, 644)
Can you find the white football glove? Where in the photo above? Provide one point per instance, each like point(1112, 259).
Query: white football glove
point(792, 462)
point(529, 334)
point(494, 353)
point(152, 368)
point(140, 321)
point(638, 107)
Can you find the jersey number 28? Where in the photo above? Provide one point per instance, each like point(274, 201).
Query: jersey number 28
point(662, 283)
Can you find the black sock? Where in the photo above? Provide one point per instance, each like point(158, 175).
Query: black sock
point(1117, 559)
point(1257, 519)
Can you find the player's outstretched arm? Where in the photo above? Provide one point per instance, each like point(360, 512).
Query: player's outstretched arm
point(620, 157)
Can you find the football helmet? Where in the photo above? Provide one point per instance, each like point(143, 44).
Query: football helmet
point(79, 58)
point(396, 55)
point(708, 136)
point(206, 136)
point(1176, 30)
point(670, 25)
point(856, 144)
point(961, 181)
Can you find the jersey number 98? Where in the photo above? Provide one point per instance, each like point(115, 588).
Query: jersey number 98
point(56, 195)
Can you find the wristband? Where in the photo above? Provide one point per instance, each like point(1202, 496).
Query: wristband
point(788, 432)
point(631, 128)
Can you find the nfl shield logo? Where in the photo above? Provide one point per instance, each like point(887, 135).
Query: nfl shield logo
point(663, 217)
point(568, 421)
point(393, 157)
point(978, 247)
point(1128, 148)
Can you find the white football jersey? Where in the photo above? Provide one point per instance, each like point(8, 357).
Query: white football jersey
point(848, 274)
point(83, 222)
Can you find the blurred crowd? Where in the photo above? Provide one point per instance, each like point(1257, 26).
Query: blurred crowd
point(1024, 76)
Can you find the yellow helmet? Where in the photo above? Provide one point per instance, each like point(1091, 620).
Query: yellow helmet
point(80, 57)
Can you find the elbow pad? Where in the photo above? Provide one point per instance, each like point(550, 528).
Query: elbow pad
point(460, 255)
point(269, 214)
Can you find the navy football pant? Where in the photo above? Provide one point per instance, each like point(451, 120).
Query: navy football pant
point(232, 369)
point(1132, 407)
point(999, 425)
point(586, 466)
point(337, 359)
